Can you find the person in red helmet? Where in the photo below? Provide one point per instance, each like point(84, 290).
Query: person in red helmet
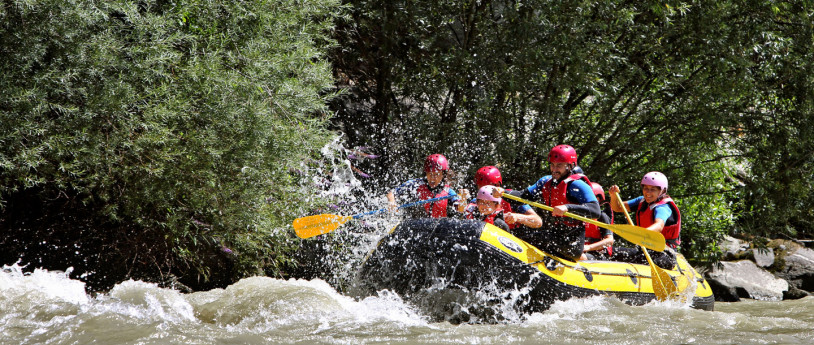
point(599, 241)
point(490, 176)
point(433, 185)
point(564, 191)
point(654, 211)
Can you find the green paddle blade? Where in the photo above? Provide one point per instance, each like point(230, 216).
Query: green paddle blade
point(307, 227)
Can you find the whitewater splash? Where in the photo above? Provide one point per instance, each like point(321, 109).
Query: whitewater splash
point(44, 307)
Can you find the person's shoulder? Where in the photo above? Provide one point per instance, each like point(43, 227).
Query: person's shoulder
point(543, 180)
point(635, 201)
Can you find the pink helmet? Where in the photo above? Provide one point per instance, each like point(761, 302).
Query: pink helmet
point(563, 154)
point(436, 162)
point(598, 191)
point(488, 175)
point(485, 193)
point(655, 178)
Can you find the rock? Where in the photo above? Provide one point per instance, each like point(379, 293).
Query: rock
point(747, 280)
point(795, 293)
point(733, 248)
point(763, 258)
point(797, 266)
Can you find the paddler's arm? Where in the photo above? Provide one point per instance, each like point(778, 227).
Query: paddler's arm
point(529, 219)
point(605, 242)
point(587, 210)
point(615, 206)
point(583, 201)
point(525, 215)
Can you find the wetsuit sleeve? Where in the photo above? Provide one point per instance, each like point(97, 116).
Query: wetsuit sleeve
point(583, 201)
point(532, 192)
point(407, 187)
point(517, 206)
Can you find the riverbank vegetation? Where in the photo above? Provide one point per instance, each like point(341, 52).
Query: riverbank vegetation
point(150, 139)
point(153, 139)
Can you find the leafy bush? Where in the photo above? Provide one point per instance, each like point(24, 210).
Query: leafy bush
point(175, 119)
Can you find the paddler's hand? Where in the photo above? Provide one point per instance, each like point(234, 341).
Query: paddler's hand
point(510, 218)
point(497, 192)
point(391, 202)
point(464, 193)
point(614, 189)
point(559, 210)
point(461, 205)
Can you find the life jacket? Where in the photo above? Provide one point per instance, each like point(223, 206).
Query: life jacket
point(558, 195)
point(472, 209)
point(507, 208)
point(593, 235)
point(646, 216)
point(491, 218)
point(436, 209)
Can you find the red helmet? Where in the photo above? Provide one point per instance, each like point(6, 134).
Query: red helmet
point(436, 162)
point(598, 191)
point(563, 154)
point(488, 175)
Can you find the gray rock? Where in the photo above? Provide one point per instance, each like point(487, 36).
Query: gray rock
point(763, 258)
point(798, 268)
point(746, 278)
point(733, 248)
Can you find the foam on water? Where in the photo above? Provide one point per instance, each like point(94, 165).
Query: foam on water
point(49, 307)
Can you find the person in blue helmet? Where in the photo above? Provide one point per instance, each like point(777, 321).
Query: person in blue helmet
point(433, 185)
point(564, 191)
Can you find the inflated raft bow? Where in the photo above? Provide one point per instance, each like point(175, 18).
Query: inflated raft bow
point(447, 266)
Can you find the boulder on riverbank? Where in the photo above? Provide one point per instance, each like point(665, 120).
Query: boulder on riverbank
point(781, 269)
point(744, 279)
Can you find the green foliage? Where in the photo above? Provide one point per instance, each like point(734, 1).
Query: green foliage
point(691, 88)
point(177, 117)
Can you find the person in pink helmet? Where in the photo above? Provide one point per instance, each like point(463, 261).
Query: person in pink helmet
point(434, 184)
point(490, 176)
point(488, 208)
point(654, 211)
point(564, 191)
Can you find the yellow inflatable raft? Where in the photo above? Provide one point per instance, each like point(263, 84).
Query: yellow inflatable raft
point(456, 269)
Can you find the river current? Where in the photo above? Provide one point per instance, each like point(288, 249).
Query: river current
point(45, 307)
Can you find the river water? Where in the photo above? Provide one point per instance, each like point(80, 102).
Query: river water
point(45, 307)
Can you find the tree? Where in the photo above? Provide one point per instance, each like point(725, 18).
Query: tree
point(634, 87)
point(152, 138)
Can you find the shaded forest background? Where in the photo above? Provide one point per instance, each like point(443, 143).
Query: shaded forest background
point(171, 140)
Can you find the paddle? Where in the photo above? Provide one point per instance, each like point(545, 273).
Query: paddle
point(311, 226)
point(659, 277)
point(632, 233)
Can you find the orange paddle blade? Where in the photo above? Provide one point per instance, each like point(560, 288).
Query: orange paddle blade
point(311, 226)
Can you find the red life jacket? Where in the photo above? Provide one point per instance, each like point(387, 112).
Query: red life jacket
point(558, 195)
point(472, 208)
point(491, 218)
point(436, 209)
point(645, 216)
point(507, 208)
